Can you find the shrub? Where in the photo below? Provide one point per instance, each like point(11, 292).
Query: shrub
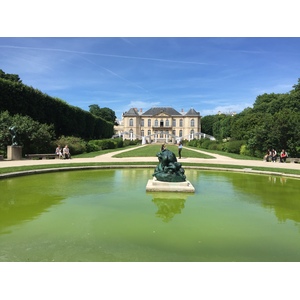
point(193, 143)
point(213, 146)
point(221, 147)
point(244, 151)
point(119, 142)
point(106, 144)
point(91, 146)
point(205, 144)
point(133, 142)
point(234, 146)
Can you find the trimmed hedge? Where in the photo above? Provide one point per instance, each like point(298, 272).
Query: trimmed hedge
point(68, 120)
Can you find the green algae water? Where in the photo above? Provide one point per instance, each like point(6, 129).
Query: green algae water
point(107, 216)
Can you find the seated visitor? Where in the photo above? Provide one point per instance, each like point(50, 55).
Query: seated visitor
point(283, 156)
point(58, 151)
point(274, 155)
point(268, 156)
point(66, 152)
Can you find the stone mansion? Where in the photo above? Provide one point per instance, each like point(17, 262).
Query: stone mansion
point(159, 124)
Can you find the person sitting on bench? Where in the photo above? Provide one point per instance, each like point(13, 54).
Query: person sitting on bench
point(66, 152)
point(58, 152)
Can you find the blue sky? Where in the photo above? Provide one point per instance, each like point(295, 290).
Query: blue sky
point(209, 74)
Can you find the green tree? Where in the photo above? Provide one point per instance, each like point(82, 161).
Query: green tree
point(207, 123)
point(33, 136)
point(11, 77)
point(105, 113)
point(244, 123)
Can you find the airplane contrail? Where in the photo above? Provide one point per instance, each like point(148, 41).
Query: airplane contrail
point(113, 73)
point(108, 55)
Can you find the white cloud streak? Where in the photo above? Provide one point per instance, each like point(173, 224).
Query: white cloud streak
point(108, 55)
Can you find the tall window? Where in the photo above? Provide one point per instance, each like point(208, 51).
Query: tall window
point(174, 122)
point(156, 123)
point(192, 123)
point(180, 133)
point(180, 123)
point(149, 132)
point(167, 123)
point(142, 133)
point(149, 122)
point(142, 122)
point(174, 132)
point(131, 122)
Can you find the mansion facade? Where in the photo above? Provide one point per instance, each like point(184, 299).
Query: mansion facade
point(159, 124)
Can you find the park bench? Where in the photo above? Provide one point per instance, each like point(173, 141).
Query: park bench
point(293, 160)
point(41, 156)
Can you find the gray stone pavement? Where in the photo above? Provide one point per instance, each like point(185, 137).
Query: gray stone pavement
point(218, 159)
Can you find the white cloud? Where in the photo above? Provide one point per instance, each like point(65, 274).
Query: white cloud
point(226, 109)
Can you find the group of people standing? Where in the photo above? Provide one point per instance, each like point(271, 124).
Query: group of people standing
point(272, 156)
point(63, 153)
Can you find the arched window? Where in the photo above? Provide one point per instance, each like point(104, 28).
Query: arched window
point(180, 123)
point(131, 122)
point(180, 133)
point(149, 132)
point(131, 133)
point(156, 123)
point(174, 122)
point(149, 122)
point(192, 123)
point(167, 123)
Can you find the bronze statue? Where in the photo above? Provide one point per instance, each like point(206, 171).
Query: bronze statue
point(14, 139)
point(168, 169)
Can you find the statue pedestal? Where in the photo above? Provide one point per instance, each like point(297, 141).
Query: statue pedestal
point(14, 152)
point(154, 185)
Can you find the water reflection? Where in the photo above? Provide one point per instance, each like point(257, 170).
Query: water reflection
point(271, 192)
point(168, 204)
point(18, 209)
point(273, 179)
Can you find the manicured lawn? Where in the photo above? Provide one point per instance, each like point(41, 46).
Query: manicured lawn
point(97, 153)
point(231, 155)
point(152, 150)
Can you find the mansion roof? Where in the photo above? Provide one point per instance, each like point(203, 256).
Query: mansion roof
point(154, 111)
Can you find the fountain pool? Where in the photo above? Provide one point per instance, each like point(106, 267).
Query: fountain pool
point(106, 215)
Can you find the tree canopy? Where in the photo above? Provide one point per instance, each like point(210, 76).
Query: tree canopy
point(273, 122)
point(11, 77)
point(104, 113)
